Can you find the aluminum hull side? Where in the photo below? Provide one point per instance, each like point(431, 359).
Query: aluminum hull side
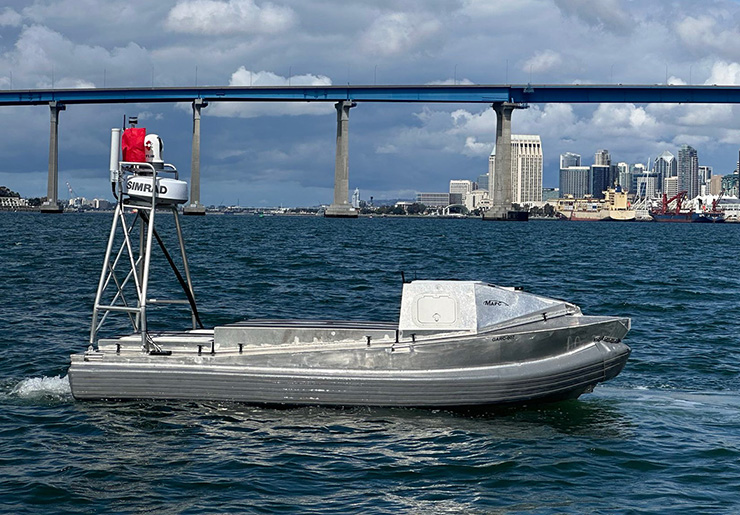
point(233, 378)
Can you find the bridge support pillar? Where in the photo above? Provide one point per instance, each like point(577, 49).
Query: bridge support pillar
point(499, 186)
point(52, 189)
point(195, 207)
point(341, 208)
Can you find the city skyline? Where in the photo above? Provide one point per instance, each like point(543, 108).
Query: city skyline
point(273, 154)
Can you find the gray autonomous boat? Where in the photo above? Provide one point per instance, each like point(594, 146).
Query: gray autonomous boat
point(457, 344)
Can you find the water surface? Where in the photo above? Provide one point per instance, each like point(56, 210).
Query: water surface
point(663, 436)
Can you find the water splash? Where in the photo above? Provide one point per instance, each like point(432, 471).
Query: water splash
point(49, 388)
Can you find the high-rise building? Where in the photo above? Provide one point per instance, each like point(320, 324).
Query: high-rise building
point(526, 168)
point(602, 158)
point(613, 176)
point(670, 186)
point(599, 180)
point(483, 182)
point(569, 159)
point(705, 173)
point(571, 181)
point(574, 180)
point(730, 185)
point(645, 183)
point(665, 165)
point(688, 171)
point(624, 176)
point(715, 185)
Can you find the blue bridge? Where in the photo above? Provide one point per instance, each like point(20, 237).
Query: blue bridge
point(530, 93)
point(503, 98)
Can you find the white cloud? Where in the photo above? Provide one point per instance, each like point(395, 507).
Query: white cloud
point(724, 73)
point(387, 148)
point(450, 82)
point(623, 119)
point(543, 62)
point(394, 33)
point(213, 17)
point(478, 8)
point(10, 18)
point(712, 115)
point(476, 148)
point(704, 34)
point(244, 77)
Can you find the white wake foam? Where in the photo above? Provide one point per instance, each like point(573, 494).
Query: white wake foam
point(42, 387)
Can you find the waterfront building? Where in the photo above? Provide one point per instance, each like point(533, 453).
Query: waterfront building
point(729, 184)
point(599, 180)
point(433, 199)
point(13, 203)
point(624, 176)
point(526, 168)
point(731, 208)
point(574, 181)
point(705, 173)
point(670, 186)
point(356, 198)
point(636, 171)
point(646, 184)
point(613, 177)
point(688, 170)
point(715, 184)
point(665, 166)
point(459, 189)
point(550, 194)
point(602, 158)
point(569, 159)
point(482, 182)
point(98, 203)
point(477, 199)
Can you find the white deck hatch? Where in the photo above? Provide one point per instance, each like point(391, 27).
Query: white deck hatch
point(429, 307)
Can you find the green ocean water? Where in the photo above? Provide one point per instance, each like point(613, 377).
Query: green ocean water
point(663, 437)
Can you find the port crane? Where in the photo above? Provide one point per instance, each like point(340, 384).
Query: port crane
point(72, 193)
point(715, 202)
point(678, 198)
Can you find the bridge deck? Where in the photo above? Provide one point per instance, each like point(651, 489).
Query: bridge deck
point(535, 93)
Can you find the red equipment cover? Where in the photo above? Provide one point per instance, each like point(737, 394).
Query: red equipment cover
point(132, 145)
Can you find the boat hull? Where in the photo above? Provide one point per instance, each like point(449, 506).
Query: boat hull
point(551, 362)
point(702, 218)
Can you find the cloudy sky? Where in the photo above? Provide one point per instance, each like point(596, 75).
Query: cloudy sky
point(272, 154)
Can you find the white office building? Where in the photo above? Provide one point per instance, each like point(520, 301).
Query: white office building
point(526, 168)
point(433, 199)
point(459, 190)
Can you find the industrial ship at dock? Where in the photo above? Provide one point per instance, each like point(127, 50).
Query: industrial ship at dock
point(672, 210)
point(615, 207)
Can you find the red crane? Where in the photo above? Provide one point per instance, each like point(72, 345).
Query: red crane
point(679, 198)
point(715, 202)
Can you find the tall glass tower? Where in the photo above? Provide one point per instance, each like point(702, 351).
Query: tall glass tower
point(688, 170)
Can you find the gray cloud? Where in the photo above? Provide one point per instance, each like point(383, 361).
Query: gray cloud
point(607, 14)
point(284, 153)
